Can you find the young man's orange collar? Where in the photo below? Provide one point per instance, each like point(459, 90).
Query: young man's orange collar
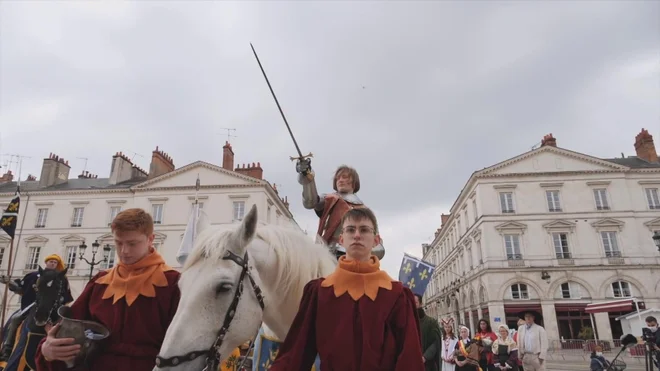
point(131, 281)
point(358, 278)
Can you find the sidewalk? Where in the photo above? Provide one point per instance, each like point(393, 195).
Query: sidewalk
point(573, 357)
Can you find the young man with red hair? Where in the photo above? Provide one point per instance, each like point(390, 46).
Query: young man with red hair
point(358, 318)
point(136, 300)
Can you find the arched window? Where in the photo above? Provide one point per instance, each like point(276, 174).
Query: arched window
point(621, 289)
point(570, 290)
point(519, 291)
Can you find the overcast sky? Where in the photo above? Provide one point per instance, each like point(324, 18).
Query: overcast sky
point(415, 95)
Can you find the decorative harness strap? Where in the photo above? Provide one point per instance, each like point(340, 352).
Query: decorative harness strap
point(213, 356)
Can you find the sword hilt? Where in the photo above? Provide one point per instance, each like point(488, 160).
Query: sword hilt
point(301, 158)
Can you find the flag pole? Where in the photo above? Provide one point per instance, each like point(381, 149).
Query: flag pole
point(4, 296)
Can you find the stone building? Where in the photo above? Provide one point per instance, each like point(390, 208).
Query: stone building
point(58, 213)
point(561, 232)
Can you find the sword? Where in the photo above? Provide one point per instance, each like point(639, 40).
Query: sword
point(303, 159)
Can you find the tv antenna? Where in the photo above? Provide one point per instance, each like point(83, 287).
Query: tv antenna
point(229, 135)
point(535, 146)
point(135, 154)
point(83, 158)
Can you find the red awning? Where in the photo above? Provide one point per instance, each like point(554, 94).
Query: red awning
point(515, 309)
point(626, 305)
point(568, 307)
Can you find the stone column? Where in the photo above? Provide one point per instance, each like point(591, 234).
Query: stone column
point(550, 321)
point(602, 321)
point(496, 309)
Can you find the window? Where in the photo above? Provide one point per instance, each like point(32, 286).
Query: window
point(569, 290)
point(512, 244)
point(560, 241)
point(600, 196)
point(474, 209)
point(239, 210)
point(553, 201)
point(78, 213)
point(268, 214)
point(34, 254)
point(519, 291)
point(610, 244)
point(652, 198)
point(71, 255)
point(506, 202)
point(111, 259)
point(114, 210)
point(2, 255)
point(42, 215)
point(459, 230)
point(621, 289)
point(157, 213)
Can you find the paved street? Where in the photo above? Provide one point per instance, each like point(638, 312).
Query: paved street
point(583, 366)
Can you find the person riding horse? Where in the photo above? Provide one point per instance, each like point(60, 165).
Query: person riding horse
point(331, 207)
point(51, 287)
point(26, 288)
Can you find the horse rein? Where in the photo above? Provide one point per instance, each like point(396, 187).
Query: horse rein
point(213, 356)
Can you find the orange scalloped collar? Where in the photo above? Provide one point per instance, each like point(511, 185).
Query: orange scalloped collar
point(358, 278)
point(137, 279)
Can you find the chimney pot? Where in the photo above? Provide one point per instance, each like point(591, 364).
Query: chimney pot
point(645, 147)
point(549, 140)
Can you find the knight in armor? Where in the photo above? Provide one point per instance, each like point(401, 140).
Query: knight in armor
point(25, 287)
point(331, 207)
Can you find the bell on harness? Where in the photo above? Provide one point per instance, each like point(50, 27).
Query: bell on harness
point(88, 334)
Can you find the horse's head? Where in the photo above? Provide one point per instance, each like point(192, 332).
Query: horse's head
point(51, 289)
point(220, 300)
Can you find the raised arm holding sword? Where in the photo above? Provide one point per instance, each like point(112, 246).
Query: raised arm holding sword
point(331, 207)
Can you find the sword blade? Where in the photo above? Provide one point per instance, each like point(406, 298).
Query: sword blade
point(277, 102)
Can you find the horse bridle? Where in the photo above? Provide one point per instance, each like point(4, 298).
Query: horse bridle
point(213, 356)
point(58, 302)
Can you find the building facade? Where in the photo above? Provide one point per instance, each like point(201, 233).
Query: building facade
point(560, 232)
point(58, 214)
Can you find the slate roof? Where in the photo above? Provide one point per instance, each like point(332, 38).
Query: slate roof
point(634, 162)
point(70, 185)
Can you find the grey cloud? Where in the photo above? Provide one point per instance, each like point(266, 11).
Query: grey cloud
point(449, 87)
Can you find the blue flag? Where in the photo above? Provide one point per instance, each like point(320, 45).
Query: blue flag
point(265, 352)
point(415, 274)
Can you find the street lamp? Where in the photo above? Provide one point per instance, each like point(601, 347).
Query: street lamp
point(656, 239)
point(93, 263)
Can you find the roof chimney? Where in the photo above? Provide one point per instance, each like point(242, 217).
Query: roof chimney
point(443, 219)
point(55, 170)
point(121, 169)
point(227, 157)
point(645, 147)
point(7, 177)
point(253, 170)
point(31, 178)
point(161, 163)
point(549, 140)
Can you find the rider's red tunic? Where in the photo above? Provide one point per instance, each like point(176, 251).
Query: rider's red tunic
point(136, 331)
point(353, 324)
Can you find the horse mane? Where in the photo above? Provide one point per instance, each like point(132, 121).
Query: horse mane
point(298, 258)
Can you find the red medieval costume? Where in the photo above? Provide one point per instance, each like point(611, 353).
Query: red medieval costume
point(136, 303)
point(358, 318)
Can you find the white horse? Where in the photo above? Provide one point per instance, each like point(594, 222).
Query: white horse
point(281, 261)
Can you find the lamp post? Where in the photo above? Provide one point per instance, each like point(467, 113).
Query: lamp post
point(93, 263)
point(656, 240)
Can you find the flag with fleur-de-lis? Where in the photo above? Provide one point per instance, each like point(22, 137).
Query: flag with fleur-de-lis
point(9, 219)
point(415, 274)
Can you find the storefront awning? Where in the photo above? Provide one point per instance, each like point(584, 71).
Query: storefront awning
point(625, 305)
point(515, 309)
point(570, 307)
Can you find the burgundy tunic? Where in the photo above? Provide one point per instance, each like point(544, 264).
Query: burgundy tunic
point(350, 335)
point(136, 331)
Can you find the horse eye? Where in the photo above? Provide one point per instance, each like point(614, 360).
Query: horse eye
point(223, 288)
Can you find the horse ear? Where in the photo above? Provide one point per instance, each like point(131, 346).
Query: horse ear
point(63, 273)
point(40, 270)
point(248, 228)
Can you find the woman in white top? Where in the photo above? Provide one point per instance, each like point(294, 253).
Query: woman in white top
point(448, 345)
